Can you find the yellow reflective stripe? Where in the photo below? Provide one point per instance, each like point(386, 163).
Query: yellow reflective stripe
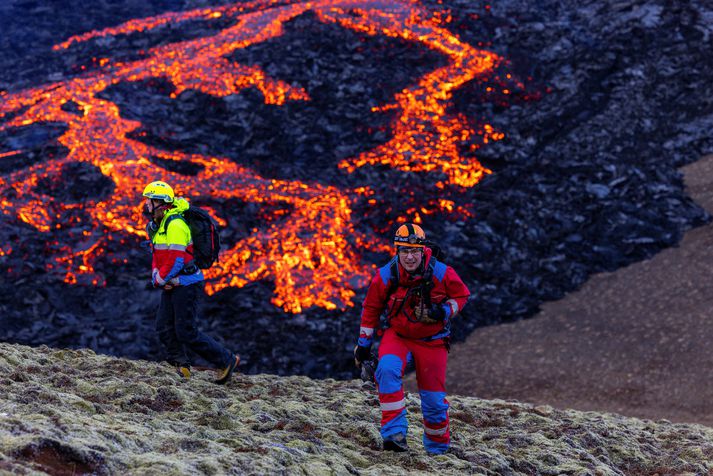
point(393, 405)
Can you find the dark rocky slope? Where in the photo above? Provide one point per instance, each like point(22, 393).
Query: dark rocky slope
point(606, 100)
point(635, 341)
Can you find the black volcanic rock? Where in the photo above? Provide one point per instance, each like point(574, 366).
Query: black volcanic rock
point(77, 182)
point(604, 102)
point(594, 156)
point(55, 21)
point(29, 145)
point(345, 74)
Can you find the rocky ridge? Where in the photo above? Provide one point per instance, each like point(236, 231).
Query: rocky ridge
point(76, 412)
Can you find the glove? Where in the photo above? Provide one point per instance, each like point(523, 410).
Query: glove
point(436, 313)
point(361, 354)
point(171, 283)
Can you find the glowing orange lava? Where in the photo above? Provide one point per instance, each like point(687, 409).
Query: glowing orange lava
point(310, 260)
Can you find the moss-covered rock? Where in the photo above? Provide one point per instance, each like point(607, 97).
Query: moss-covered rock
point(75, 412)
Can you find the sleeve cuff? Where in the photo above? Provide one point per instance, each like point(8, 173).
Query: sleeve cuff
point(365, 341)
point(157, 277)
point(366, 336)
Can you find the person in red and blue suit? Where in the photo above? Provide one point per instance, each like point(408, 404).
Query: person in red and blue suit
point(182, 282)
point(419, 296)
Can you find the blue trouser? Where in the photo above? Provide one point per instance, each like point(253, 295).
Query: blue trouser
point(431, 358)
point(177, 330)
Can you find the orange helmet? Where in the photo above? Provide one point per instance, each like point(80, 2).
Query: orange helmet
point(411, 235)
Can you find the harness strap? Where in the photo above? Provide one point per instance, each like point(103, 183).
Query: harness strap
point(424, 287)
point(446, 339)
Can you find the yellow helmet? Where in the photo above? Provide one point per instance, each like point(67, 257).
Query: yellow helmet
point(159, 191)
point(411, 235)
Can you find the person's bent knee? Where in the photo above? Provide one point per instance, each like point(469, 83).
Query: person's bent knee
point(389, 373)
point(434, 406)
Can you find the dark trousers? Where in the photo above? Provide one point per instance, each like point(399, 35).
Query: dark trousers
point(178, 332)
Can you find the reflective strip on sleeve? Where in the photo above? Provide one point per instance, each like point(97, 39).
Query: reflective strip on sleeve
point(454, 306)
point(388, 406)
point(157, 277)
point(435, 432)
point(366, 331)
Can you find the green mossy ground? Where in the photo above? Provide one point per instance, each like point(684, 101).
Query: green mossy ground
point(75, 412)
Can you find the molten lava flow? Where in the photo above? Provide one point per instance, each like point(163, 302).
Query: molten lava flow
point(308, 257)
point(425, 136)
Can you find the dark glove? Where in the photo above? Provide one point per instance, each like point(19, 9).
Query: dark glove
point(361, 354)
point(438, 312)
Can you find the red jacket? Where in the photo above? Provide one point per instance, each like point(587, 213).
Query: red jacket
point(448, 291)
point(172, 247)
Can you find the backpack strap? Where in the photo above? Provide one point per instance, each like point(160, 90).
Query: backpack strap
point(393, 277)
point(425, 287)
point(391, 287)
point(427, 284)
point(170, 219)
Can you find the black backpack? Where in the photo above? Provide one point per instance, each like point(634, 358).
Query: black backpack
point(204, 233)
point(436, 251)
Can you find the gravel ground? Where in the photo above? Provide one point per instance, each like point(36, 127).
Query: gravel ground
point(635, 341)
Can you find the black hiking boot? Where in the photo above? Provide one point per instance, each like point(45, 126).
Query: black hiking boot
point(396, 443)
point(225, 373)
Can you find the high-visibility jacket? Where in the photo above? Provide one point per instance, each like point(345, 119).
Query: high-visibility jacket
point(448, 291)
point(172, 248)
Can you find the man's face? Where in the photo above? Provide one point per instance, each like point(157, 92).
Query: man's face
point(410, 258)
point(152, 206)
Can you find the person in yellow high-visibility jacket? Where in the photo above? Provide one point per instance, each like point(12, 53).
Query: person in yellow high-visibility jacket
point(182, 283)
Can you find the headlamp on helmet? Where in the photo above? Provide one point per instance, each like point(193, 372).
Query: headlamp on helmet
point(410, 235)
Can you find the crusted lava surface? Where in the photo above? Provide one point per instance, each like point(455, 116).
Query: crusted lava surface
point(598, 105)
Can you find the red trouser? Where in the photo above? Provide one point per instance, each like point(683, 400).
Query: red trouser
point(431, 359)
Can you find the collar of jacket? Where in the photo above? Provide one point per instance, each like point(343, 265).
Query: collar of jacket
point(180, 205)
